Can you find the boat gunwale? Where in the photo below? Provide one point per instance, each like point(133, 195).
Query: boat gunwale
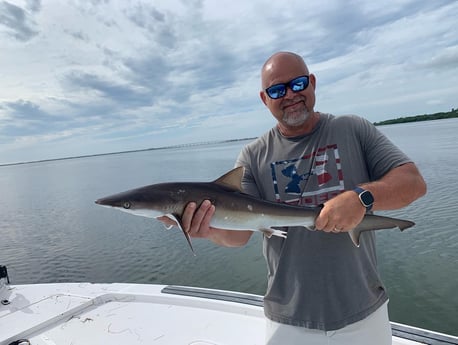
point(398, 330)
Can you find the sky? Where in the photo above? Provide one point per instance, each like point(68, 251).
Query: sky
point(82, 77)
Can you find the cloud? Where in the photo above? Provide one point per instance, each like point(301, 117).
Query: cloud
point(125, 75)
point(156, 23)
point(447, 59)
point(107, 89)
point(80, 35)
point(17, 21)
point(26, 118)
point(33, 5)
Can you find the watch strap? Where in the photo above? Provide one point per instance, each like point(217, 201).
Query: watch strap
point(366, 197)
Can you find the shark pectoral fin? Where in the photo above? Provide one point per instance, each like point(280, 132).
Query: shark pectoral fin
point(167, 227)
point(188, 238)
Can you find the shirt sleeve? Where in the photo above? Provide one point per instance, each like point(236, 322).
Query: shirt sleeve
point(249, 185)
point(380, 152)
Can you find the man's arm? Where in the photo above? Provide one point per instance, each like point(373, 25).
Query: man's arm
point(398, 188)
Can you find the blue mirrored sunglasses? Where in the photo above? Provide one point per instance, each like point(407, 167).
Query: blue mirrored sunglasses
point(296, 85)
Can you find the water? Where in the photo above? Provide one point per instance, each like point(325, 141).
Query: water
point(51, 230)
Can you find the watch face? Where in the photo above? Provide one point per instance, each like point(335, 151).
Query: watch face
point(367, 198)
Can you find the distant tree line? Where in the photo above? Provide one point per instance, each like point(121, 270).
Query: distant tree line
point(426, 117)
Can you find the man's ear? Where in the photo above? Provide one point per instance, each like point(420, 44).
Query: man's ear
point(312, 80)
point(263, 96)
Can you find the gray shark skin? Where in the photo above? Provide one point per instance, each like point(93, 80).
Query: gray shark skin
point(234, 210)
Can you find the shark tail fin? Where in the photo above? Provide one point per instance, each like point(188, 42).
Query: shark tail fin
point(373, 222)
point(188, 238)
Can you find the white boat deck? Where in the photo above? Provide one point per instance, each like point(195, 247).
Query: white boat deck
point(84, 313)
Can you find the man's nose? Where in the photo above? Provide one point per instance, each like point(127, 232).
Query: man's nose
point(289, 93)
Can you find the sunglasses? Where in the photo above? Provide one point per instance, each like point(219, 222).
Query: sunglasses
point(296, 85)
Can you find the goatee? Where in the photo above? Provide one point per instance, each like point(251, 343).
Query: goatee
point(297, 118)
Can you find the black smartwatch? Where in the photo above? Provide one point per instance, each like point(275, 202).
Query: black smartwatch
point(366, 197)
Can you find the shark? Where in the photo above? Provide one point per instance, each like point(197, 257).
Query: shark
point(234, 209)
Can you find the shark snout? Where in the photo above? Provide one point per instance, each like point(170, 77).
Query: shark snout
point(105, 202)
point(100, 202)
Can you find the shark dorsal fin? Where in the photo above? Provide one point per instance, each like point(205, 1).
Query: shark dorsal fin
point(232, 179)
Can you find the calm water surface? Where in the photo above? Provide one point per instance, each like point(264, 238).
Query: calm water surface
point(51, 230)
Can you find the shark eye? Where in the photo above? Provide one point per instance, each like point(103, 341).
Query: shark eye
point(126, 204)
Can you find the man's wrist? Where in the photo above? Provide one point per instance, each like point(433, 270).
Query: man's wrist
point(365, 197)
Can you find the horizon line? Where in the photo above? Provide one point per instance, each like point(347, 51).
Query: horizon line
point(201, 143)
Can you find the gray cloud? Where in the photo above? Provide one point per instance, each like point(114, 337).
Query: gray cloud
point(159, 25)
point(149, 71)
point(17, 21)
point(444, 60)
point(26, 118)
point(33, 5)
point(120, 94)
point(146, 16)
point(79, 35)
point(22, 109)
point(343, 27)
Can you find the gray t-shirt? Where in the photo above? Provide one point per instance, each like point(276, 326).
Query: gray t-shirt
point(319, 280)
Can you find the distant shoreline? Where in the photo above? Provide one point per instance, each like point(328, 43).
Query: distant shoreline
point(416, 118)
point(129, 151)
point(427, 117)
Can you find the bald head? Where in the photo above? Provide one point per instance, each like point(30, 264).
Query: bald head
point(294, 109)
point(282, 65)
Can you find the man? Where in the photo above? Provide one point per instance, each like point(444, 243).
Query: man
point(321, 288)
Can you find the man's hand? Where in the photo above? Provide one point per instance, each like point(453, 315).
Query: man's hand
point(342, 213)
point(397, 188)
point(196, 222)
